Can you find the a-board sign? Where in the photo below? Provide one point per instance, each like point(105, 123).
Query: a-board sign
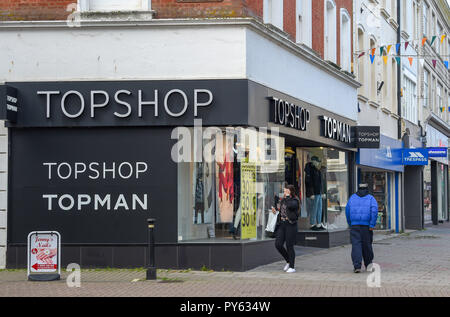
point(44, 255)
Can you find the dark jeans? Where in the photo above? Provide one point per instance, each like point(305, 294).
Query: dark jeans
point(286, 232)
point(362, 239)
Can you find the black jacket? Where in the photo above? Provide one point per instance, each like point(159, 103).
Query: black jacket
point(292, 209)
point(313, 180)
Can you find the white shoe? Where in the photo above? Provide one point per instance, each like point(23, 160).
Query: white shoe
point(286, 267)
point(290, 270)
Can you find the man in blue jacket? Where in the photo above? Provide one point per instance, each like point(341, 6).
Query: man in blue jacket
point(362, 213)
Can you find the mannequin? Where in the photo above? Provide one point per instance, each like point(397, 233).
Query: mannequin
point(313, 188)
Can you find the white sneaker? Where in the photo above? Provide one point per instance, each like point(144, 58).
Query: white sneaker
point(286, 267)
point(290, 270)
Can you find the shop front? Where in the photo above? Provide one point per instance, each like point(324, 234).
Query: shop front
point(206, 158)
point(382, 170)
point(435, 183)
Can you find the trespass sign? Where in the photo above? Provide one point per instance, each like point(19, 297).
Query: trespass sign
point(415, 157)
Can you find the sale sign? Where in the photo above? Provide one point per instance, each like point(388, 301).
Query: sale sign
point(43, 252)
point(248, 201)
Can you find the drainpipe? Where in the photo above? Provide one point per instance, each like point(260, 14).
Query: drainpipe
point(399, 112)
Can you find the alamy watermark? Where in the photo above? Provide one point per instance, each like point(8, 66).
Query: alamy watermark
point(374, 278)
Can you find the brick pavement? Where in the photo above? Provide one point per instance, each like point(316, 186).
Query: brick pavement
point(414, 264)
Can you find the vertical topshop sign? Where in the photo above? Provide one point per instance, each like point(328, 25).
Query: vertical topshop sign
point(248, 201)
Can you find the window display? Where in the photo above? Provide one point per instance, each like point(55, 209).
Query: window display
point(322, 180)
point(378, 188)
point(211, 197)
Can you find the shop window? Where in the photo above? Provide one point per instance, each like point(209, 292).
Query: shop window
point(229, 197)
point(322, 180)
point(427, 194)
point(379, 188)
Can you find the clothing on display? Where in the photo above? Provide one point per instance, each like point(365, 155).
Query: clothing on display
point(225, 187)
point(313, 188)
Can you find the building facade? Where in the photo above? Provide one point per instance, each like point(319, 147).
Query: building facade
point(106, 94)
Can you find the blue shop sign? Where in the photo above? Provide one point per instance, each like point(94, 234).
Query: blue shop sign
point(415, 156)
point(387, 157)
point(437, 152)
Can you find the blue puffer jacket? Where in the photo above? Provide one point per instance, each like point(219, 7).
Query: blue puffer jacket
point(362, 209)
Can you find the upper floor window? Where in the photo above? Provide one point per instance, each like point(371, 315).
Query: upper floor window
point(346, 42)
point(409, 100)
point(426, 88)
point(426, 8)
point(304, 22)
point(273, 12)
point(330, 31)
point(115, 5)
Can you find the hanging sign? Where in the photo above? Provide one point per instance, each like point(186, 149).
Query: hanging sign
point(248, 201)
point(415, 157)
point(366, 137)
point(437, 152)
point(10, 103)
point(44, 256)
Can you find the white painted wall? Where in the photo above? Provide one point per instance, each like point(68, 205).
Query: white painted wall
point(122, 53)
point(271, 65)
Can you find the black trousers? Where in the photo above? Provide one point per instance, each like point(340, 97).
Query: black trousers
point(362, 239)
point(286, 233)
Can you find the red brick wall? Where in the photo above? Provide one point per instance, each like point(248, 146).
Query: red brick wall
point(289, 20)
point(174, 9)
point(16, 10)
point(254, 8)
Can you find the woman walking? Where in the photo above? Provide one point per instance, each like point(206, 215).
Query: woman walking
point(286, 229)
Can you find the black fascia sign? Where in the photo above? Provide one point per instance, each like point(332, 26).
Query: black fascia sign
point(10, 105)
point(288, 114)
point(367, 137)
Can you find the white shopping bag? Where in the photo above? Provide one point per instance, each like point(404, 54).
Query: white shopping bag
point(272, 222)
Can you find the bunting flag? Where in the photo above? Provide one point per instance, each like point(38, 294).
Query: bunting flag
point(398, 59)
point(397, 46)
point(446, 64)
point(434, 63)
point(423, 41)
point(442, 38)
point(388, 48)
point(385, 58)
point(406, 45)
point(410, 60)
point(372, 58)
point(433, 39)
point(373, 51)
point(362, 54)
point(381, 50)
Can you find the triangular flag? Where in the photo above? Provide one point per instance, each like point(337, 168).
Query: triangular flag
point(373, 51)
point(410, 60)
point(398, 60)
point(442, 38)
point(433, 39)
point(406, 45)
point(362, 54)
point(423, 41)
point(385, 58)
point(381, 50)
point(389, 48)
point(372, 58)
point(446, 64)
point(397, 46)
point(434, 63)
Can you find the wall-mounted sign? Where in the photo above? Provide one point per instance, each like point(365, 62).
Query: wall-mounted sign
point(415, 157)
point(437, 152)
point(289, 114)
point(366, 137)
point(10, 104)
point(44, 255)
point(335, 129)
